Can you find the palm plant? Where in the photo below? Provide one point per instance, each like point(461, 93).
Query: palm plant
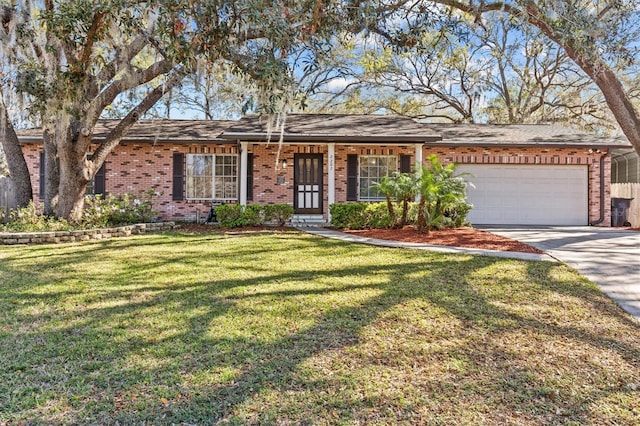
point(406, 187)
point(399, 188)
point(389, 188)
point(438, 189)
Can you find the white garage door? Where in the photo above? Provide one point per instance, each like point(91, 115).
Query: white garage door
point(527, 195)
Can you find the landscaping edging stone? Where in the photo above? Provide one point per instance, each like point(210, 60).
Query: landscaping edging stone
point(54, 237)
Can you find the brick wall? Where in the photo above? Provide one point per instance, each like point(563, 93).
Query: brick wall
point(134, 167)
point(138, 167)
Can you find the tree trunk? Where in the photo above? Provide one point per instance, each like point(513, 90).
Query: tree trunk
point(71, 191)
point(15, 159)
point(52, 176)
point(74, 175)
point(421, 218)
point(405, 211)
point(392, 213)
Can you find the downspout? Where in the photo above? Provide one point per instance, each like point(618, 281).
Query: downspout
point(601, 218)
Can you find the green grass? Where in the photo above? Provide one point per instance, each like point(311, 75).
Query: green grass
point(294, 329)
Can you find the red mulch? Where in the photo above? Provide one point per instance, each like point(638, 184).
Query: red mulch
point(458, 237)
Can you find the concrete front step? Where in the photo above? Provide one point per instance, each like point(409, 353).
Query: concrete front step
point(308, 220)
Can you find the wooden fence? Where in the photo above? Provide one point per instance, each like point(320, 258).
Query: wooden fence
point(629, 190)
point(7, 193)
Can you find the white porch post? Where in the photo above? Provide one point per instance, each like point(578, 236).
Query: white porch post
point(244, 147)
point(418, 147)
point(331, 176)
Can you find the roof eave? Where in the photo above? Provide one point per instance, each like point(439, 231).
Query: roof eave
point(551, 144)
point(217, 140)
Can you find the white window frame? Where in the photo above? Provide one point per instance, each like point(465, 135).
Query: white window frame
point(214, 177)
point(363, 159)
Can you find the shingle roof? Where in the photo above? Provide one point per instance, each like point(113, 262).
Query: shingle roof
point(329, 127)
point(346, 128)
point(161, 130)
point(520, 134)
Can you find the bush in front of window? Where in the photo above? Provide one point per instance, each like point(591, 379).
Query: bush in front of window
point(398, 189)
point(118, 209)
point(348, 215)
point(230, 215)
point(377, 216)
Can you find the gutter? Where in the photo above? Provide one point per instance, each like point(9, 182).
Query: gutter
point(601, 218)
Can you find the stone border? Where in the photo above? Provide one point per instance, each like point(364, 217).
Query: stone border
point(54, 237)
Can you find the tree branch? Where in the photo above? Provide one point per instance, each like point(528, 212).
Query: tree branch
point(129, 81)
point(85, 55)
point(116, 135)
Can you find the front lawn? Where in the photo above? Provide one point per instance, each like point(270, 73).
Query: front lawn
point(293, 329)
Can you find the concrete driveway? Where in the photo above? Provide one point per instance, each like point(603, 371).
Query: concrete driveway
point(609, 257)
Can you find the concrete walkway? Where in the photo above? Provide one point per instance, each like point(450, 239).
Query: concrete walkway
point(609, 257)
point(330, 233)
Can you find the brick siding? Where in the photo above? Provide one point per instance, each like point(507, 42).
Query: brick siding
point(135, 167)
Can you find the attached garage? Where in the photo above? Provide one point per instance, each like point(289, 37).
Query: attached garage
point(527, 194)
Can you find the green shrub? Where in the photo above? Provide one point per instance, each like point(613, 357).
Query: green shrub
point(252, 215)
point(279, 213)
point(456, 214)
point(127, 209)
point(348, 215)
point(29, 219)
point(230, 215)
point(124, 209)
point(377, 216)
point(97, 211)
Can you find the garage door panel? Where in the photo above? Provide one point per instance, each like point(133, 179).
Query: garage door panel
point(527, 194)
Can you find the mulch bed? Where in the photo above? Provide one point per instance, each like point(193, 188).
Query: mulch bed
point(458, 237)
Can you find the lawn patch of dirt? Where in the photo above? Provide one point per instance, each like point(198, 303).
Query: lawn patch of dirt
point(457, 237)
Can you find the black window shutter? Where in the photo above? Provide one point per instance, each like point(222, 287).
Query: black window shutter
point(178, 176)
point(99, 181)
point(249, 177)
point(352, 177)
point(42, 174)
point(405, 163)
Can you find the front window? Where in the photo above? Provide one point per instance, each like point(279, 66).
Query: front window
point(212, 177)
point(372, 169)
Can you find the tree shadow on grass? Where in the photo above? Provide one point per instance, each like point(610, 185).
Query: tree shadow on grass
point(207, 371)
point(591, 294)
